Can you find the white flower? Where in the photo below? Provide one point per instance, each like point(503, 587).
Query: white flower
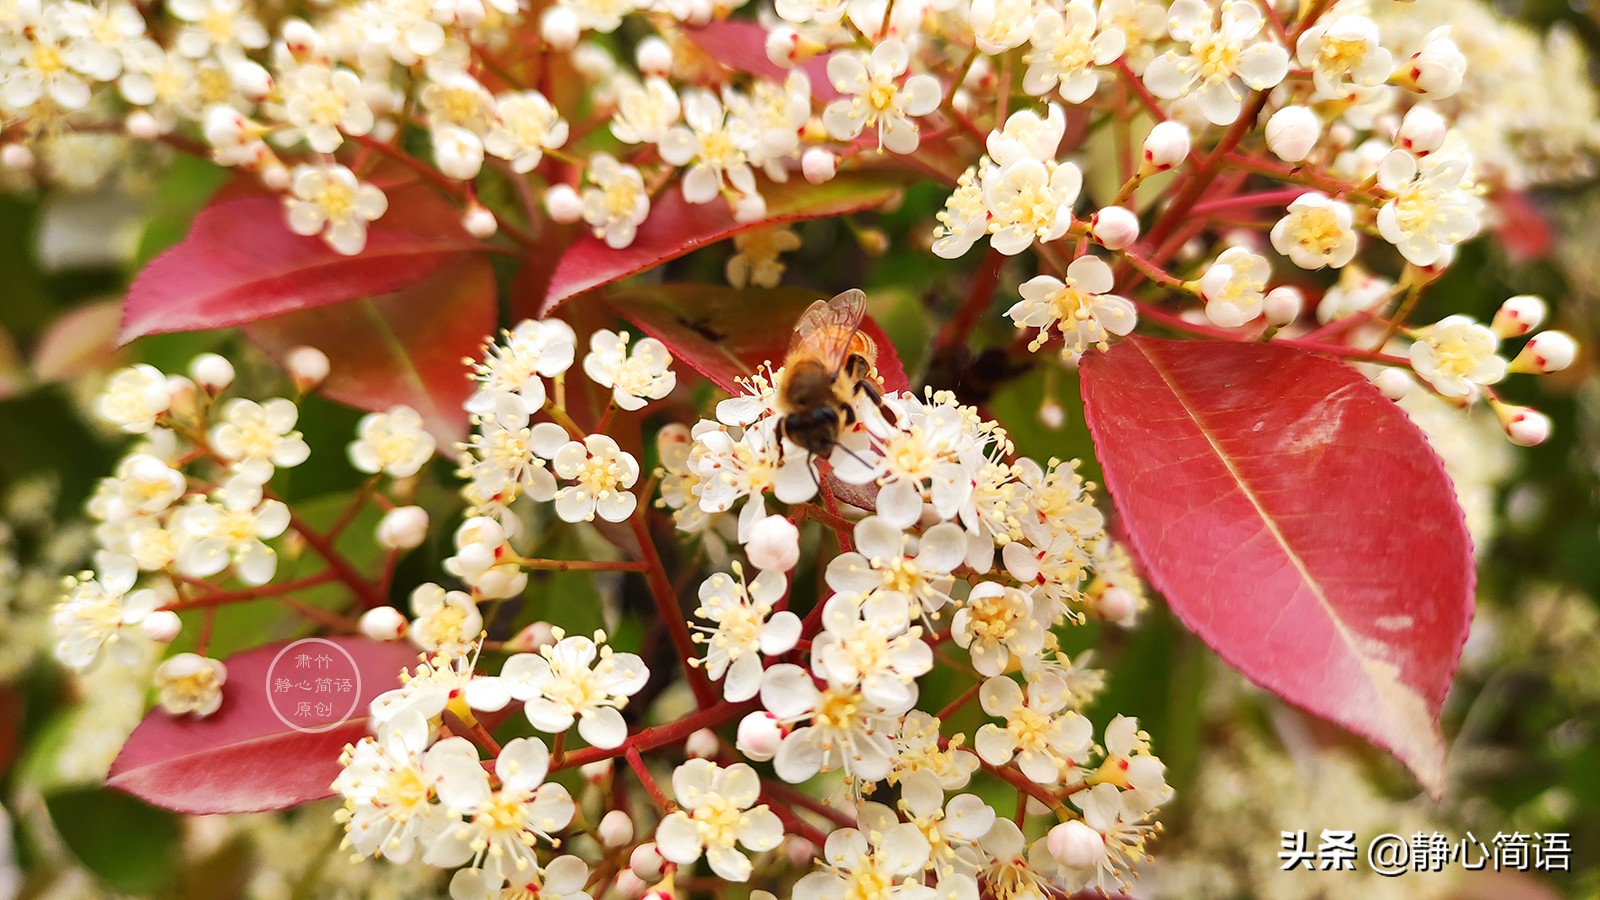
point(1234, 287)
point(996, 623)
point(745, 629)
point(876, 96)
point(636, 376)
point(1292, 133)
point(616, 201)
point(716, 817)
point(1065, 51)
point(1000, 25)
point(1028, 135)
point(1080, 307)
point(325, 105)
point(498, 836)
point(934, 453)
point(1434, 206)
point(394, 443)
point(448, 622)
point(134, 398)
point(563, 879)
point(1436, 69)
point(757, 261)
point(328, 200)
point(1129, 765)
point(603, 474)
point(1047, 740)
point(457, 151)
point(866, 641)
point(769, 120)
point(1317, 232)
point(1341, 50)
point(1119, 818)
point(388, 783)
point(1217, 59)
point(964, 218)
point(888, 559)
point(513, 366)
point(1029, 200)
point(216, 26)
point(917, 749)
point(746, 466)
point(714, 150)
point(232, 528)
point(948, 829)
point(565, 682)
point(190, 683)
point(645, 112)
point(256, 438)
point(455, 98)
point(100, 612)
point(525, 125)
point(1457, 355)
point(507, 456)
point(842, 729)
point(882, 869)
point(45, 61)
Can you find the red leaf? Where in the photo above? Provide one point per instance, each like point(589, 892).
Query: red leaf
point(724, 333)
point(405, 347)
point(240, 262)
point(244, 758)
point(1522, 229)
point(742, 47)
point(676, 227)
point(1298, 522)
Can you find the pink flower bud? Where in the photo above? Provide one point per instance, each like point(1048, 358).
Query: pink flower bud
point(701, 745)
point(562, 203)
point(1422, 131)
point(1166, 146)
point(161, 626)
point(646, 862)
point(783, 46)
point(759, 735)
point(628, 885)
point(1518, 316)
point(1524, 426)
point(799, 851)
point(300, 39)
point(384, 623)
point(211, 372)
point(818, 165)
point(653, 56)
point(616, 828)
point(1282, 305)
point(1118, 606)
point(559, 27)
point(774, 544)
point(1075, 845)
point(142, 126)
point(1292, 132)
point(1114, 227)
point(403, 528)
point(307, 366)
point(16, 156)
point(1546, 352)
point(479, 222)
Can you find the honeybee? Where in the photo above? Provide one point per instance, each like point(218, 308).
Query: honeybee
point(829, 362)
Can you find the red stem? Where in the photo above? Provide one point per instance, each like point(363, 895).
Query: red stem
point(671, 613)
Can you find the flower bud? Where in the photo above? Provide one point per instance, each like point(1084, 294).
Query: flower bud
point(1394, 383)
point(479, 222)
point(774, 544)
point(783, 46)
point(161, 626)
point(1114, 227)
point(1075, 845)
point(384, 623)
point(1292, 132)
point(1118, 606)
point(307, 366)
point(275, 175)
point(645, 861)
point(616, 828)
point(559, 27)
point(628, 886)
point(759, 736)
point(300, 39)
point(1051, 414)
point(1282, 305)
point(1422, 131)
point(562, 203)
point(469, 13)
point(1437, 69)
point(211, 372)
point(596, 772)
point(751, 207)
point(1546, 352)
point(1518, 316)
point(16, 156)
point(1166, 146)
point(180, 395)
point(403, 528)
point(799, 851)
point(142, 126)
point(531, 638)
point(701, 745)
point(1525, 427)
point(819, 165)
point(653, 56)
point(672, 435)
point(251, 80)
point(457, 152)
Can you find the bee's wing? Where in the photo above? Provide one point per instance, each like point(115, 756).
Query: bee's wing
point(827, 326)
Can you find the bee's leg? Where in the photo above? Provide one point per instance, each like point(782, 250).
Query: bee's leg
point(865, 386)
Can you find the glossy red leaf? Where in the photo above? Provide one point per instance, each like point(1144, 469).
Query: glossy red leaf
point(406, 347)
point(240, 262)
point(1298, 522)
point(725, 333)
point(244, 757)
point(676, 227)
point(742, 46)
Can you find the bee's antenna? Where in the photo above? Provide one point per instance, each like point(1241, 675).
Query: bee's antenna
point(811, 466)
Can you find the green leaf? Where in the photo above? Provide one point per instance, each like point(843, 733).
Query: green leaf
point(128, 844)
